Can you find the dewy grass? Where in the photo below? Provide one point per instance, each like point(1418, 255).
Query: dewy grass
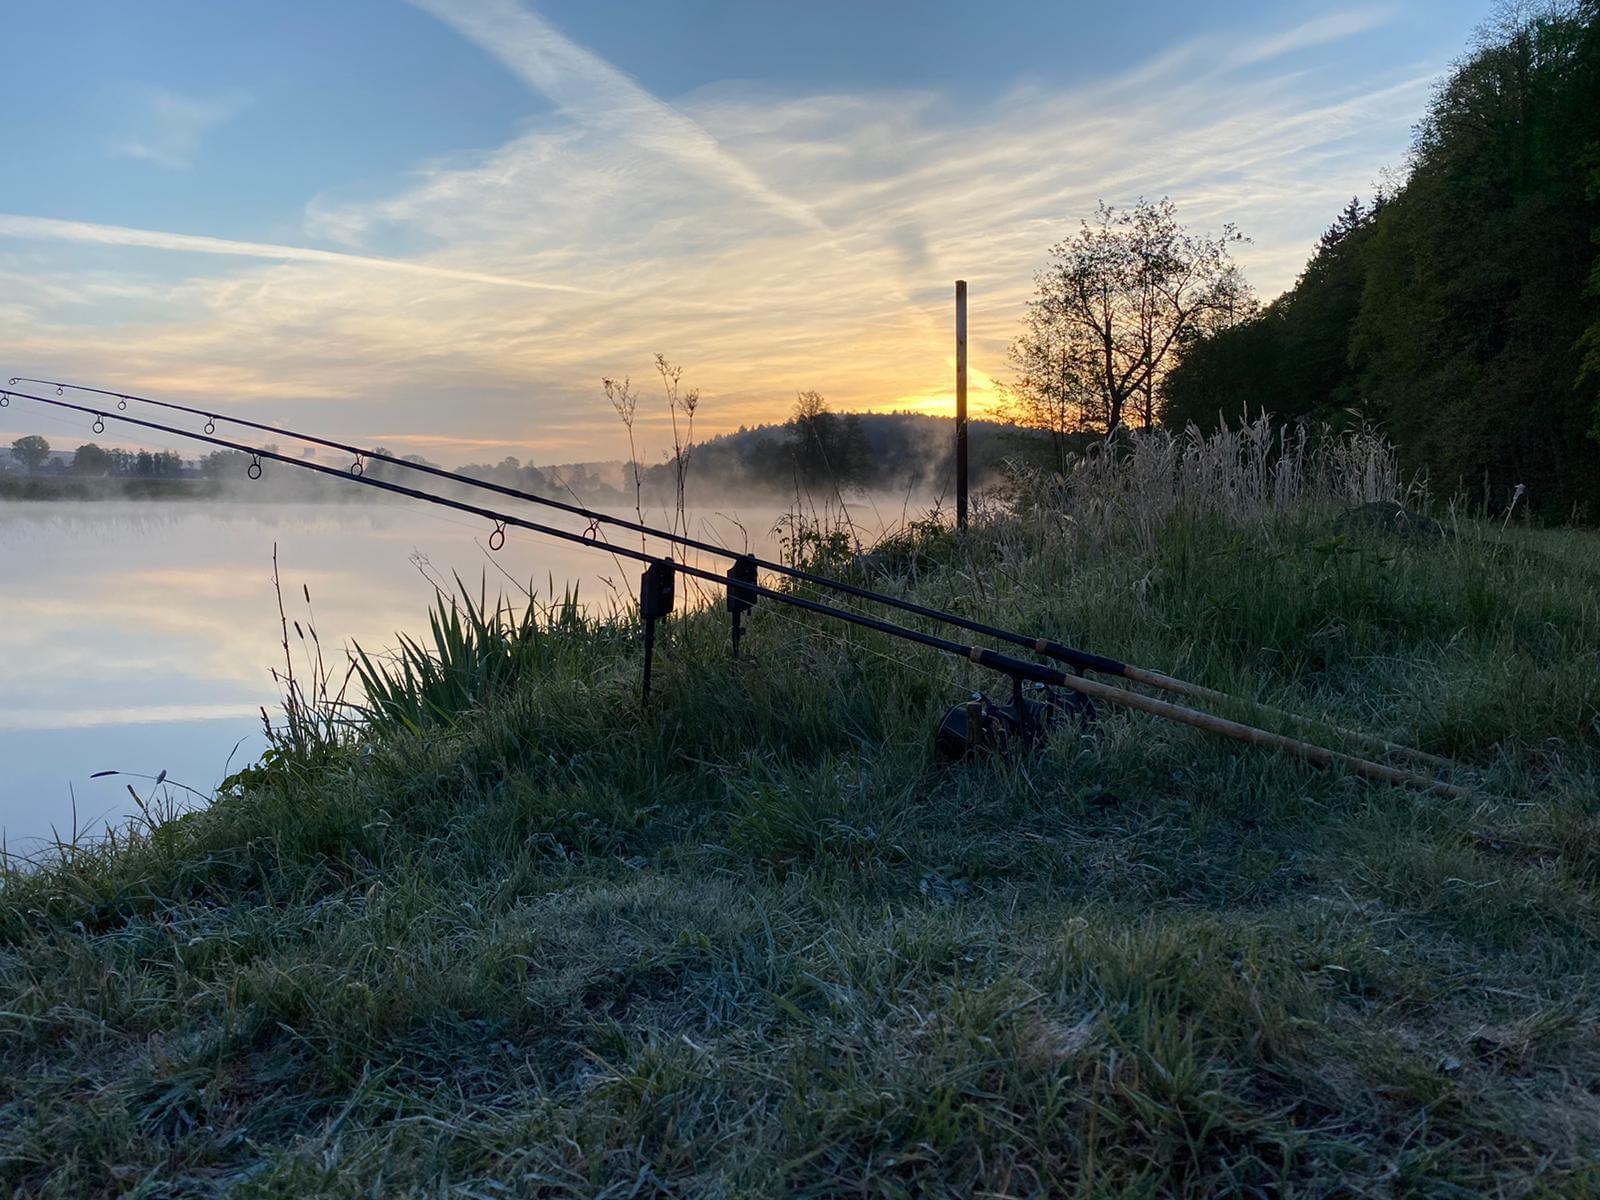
point(522, 939)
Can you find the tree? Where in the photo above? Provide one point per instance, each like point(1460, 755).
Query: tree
point(1291, 359)
point(1111, 312)
point(826, 448)
point(1050, 391)
point(510, 471)
point(1589, 342)
point(31, 451)
point(1468, 340)
point(89, 459)
point(221, 464)
point(1222, 379)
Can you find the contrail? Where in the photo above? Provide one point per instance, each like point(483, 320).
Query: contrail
point(598, 94)
point(52, 229)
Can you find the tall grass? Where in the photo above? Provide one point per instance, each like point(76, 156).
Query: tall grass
point(1144, 479)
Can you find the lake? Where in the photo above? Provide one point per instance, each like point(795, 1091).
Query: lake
point(141, 637)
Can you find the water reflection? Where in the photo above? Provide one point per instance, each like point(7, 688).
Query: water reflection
point(141, 637)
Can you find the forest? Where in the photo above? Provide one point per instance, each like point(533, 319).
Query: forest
point(1458, 310)
point(816, 453)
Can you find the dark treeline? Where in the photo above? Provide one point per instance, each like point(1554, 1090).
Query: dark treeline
point(1460, 311)
point(33, 455)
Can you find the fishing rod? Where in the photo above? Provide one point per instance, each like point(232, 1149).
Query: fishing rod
point(978, 724)
point(749, 564)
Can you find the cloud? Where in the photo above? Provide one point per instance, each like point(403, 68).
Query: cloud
point(594, 92)
point(436, 440)
point(1319, 31)
point(170, 127)
point(769, 242)
point(37, 719)
point(51, 229)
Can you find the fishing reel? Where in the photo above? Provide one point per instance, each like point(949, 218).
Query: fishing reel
point(983, 726)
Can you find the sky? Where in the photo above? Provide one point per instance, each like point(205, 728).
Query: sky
point(438, 224)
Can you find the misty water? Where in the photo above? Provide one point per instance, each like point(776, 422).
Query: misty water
point(141, 637)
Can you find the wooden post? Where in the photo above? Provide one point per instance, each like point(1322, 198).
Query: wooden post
point(961, 404)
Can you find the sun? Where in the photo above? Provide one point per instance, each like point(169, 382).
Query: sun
point(985, 399)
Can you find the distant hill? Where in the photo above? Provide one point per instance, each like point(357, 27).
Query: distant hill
point(855, 451)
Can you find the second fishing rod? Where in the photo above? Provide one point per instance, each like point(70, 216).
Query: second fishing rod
point(656, 601)
point(1080, 660)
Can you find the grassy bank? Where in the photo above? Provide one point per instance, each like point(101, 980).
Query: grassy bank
point(760, 944)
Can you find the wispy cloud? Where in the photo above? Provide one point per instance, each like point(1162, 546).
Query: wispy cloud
point(1319, 31)
point(168, 127)
point(31, 719)
point(435, 440)
point(594, 92)
point(52, 229)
